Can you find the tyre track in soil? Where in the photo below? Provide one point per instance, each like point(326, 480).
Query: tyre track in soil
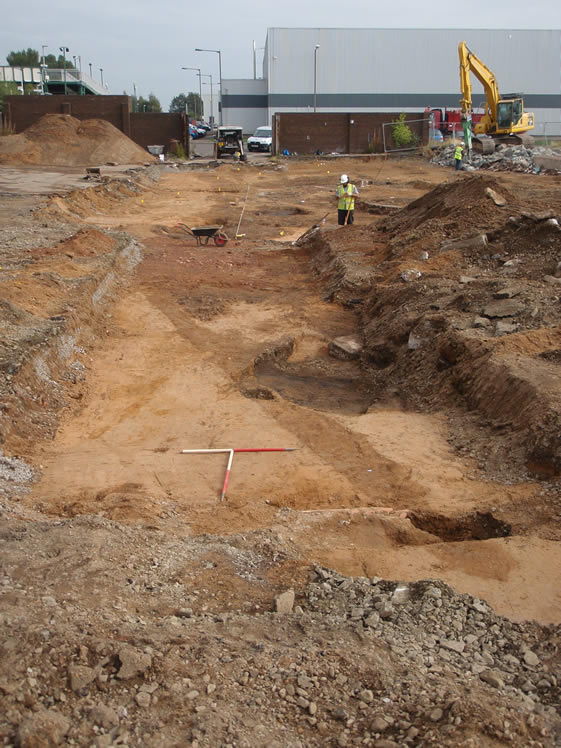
point(168, 377)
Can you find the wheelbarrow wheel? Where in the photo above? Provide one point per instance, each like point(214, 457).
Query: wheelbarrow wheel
point(220, 239)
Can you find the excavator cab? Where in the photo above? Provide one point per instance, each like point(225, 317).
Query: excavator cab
point(509, 113)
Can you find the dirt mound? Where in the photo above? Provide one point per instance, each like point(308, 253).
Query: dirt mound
point(454, 209)
point(63, 140)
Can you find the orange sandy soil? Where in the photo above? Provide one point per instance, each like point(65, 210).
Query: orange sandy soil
point(171, 374)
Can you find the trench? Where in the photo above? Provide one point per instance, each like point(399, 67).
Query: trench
point(191, 359)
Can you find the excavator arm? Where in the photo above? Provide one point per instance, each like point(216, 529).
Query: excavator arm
point(470, 63)
point(502, 116)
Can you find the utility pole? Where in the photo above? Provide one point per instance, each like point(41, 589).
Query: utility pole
point(64, 50)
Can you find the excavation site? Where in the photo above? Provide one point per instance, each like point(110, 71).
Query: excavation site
point(283, 482)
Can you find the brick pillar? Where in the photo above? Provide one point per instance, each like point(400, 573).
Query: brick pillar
point(126, 117)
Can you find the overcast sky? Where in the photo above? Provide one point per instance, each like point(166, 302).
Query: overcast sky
point(148, 42)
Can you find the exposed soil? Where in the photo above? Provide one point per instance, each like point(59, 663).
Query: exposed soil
point(62, 140)
point(139, 608)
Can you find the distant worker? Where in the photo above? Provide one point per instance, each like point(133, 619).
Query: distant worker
point(346, 194)
point(458, 155)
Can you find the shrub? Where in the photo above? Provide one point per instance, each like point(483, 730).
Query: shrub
point(401, 133)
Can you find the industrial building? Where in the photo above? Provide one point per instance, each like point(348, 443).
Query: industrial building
point(394, 70)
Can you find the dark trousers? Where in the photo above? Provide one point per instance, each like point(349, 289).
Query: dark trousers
point(342, 215)
point(458, 164)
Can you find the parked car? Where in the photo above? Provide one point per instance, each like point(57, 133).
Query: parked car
point(435, 136)
point(196, 132)
point(261, 140)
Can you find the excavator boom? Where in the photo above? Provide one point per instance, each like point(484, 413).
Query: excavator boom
point(504, 116)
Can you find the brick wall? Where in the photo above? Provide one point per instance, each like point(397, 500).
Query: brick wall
point(145, 128)
point(152, 128)
point(306, 133)
point(26, 110)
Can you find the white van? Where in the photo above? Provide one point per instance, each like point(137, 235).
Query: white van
point(261, 140)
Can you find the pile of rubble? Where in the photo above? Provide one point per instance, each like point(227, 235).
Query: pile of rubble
point(105, 646)
point(505, 158)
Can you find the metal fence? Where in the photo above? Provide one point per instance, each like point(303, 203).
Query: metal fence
point(547, 131)
point(417, 127)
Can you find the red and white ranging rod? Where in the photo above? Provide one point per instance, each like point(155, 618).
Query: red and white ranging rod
point(231, 451)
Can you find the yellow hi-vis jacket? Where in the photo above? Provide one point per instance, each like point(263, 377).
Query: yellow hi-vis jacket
point(459, 152)
point(346, 196)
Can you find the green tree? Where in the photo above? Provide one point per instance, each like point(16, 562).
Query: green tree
point(402, 135)
point(194, 106)
point(25, 58)
point(151, 104)
point(58, 63)
point(7, 89)
point(179, 103)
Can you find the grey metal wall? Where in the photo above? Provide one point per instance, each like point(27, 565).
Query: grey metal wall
point(407, 69)
point(244, 103)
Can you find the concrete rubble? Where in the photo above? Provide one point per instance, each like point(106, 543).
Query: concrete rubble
point(506, 158)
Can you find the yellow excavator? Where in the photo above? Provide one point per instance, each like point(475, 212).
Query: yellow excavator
point(504, 119)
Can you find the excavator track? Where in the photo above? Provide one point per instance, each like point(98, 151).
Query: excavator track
point(486, 144)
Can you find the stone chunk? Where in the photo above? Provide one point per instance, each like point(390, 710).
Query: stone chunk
point(133, 663)
point(80, 676)
point(506, 293)
point(401, 594)
point(531, 659)
point(495, 197)
point(284, 603)
point(493, 678)
point(345, 348)
point(506, 327)
point(503, 308)
point(479, 241)
point(453, 645)
point(481, 322)
point(104, 716)
point(45, 728)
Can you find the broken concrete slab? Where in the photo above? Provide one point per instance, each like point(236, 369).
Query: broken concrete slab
point(495, 197)
point(284, 603)
point(503, 308)
point(345, 348)
point(506, 293)
point(479, 241)
point(506, 327)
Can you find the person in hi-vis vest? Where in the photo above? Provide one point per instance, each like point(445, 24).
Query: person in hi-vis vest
point(346, 194)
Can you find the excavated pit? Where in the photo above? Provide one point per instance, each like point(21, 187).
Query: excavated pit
point(473, 526)
point(323, 384)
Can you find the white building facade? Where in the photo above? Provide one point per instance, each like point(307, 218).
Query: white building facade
point(394, 70)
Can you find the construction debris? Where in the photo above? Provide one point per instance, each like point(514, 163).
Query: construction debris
point(505, 158)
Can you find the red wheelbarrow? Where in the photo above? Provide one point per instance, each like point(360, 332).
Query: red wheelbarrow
point(203, 233)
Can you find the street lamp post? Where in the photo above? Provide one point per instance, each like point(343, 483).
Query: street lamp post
point(64, 50)
point(315, 76)
point(90, 64)
point(43, 69)
point(219, 53)
point(205, 75)
point(101, 76)
point(200, 89)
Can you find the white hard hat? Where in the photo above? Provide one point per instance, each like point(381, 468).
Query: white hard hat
point(462, 143)
point(344, 179)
